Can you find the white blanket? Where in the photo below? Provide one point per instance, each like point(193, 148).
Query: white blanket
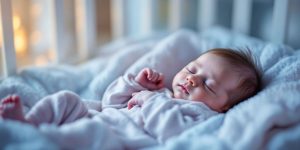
point(267, 120)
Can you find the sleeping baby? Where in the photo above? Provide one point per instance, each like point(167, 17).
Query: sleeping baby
point(138, 108)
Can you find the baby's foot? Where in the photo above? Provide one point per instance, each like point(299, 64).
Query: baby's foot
point(11, 108)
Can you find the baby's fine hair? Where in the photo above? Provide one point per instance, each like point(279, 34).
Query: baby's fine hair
point(248, 66)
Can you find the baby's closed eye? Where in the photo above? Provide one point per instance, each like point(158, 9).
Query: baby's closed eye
point(209, 85)
point(190, 70)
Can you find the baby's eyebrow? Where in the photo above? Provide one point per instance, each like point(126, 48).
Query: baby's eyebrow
point(193, 64)
point(197, 63)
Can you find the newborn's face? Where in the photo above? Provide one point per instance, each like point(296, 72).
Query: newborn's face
point(208, 79)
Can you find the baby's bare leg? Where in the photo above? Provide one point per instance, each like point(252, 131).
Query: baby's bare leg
point(11, 108)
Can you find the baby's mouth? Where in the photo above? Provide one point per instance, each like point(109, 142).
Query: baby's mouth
point(183, 88)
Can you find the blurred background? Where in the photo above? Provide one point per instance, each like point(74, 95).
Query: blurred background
point(33, 28)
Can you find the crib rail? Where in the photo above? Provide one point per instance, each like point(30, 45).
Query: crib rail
point(242, 11)
point(207, 13)
point(280, 20)
point(86, 25)
point(8, 49)
point(119, 23)
point(58, 29)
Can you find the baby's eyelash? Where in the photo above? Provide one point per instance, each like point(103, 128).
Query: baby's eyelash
point(190, 71)
point(210, 89)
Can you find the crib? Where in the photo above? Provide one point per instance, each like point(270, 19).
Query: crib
point(241, 21)
point(268, 120)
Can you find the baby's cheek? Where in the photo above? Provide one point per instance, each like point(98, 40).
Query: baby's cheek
point(198, 95)
point(178, 78)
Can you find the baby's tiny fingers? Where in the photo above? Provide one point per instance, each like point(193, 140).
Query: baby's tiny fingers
point(129, 106)
point(131, 103)
point(154, 77)
point(160, 77)
point(150, 74)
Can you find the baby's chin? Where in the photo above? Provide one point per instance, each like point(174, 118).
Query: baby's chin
point(178, 95)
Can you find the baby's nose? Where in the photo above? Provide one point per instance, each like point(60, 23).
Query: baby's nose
point(192, 80)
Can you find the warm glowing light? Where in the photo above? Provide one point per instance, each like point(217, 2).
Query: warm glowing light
point(19, 35)
point(35, 37)
point(45, 58)
point(41, 60)
point(16, 22)
point(20, 41)
point(51, 54)
point(36, 10)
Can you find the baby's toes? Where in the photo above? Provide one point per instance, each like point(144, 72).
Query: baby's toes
point(6, 100)
point(154, 77)
point(15, 99)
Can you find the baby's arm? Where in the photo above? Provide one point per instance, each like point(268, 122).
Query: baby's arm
point(120, 91)
point(150, 79)
point(139, 98)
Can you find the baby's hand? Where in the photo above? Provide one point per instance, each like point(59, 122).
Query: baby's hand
point(139, 98)
point(150, 79)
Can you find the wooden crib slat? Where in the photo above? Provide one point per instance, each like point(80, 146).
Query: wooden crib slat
point(176, 14)
point(207, 13)
point(280, 21)
point(86, 27)
point(119, 22)
point(149, 13)
point(58, 29)
point(8, 49)
point(241, 17)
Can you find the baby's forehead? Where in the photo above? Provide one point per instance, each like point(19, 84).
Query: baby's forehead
point(214, 59)
point(221, 60)
point(211, 55)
